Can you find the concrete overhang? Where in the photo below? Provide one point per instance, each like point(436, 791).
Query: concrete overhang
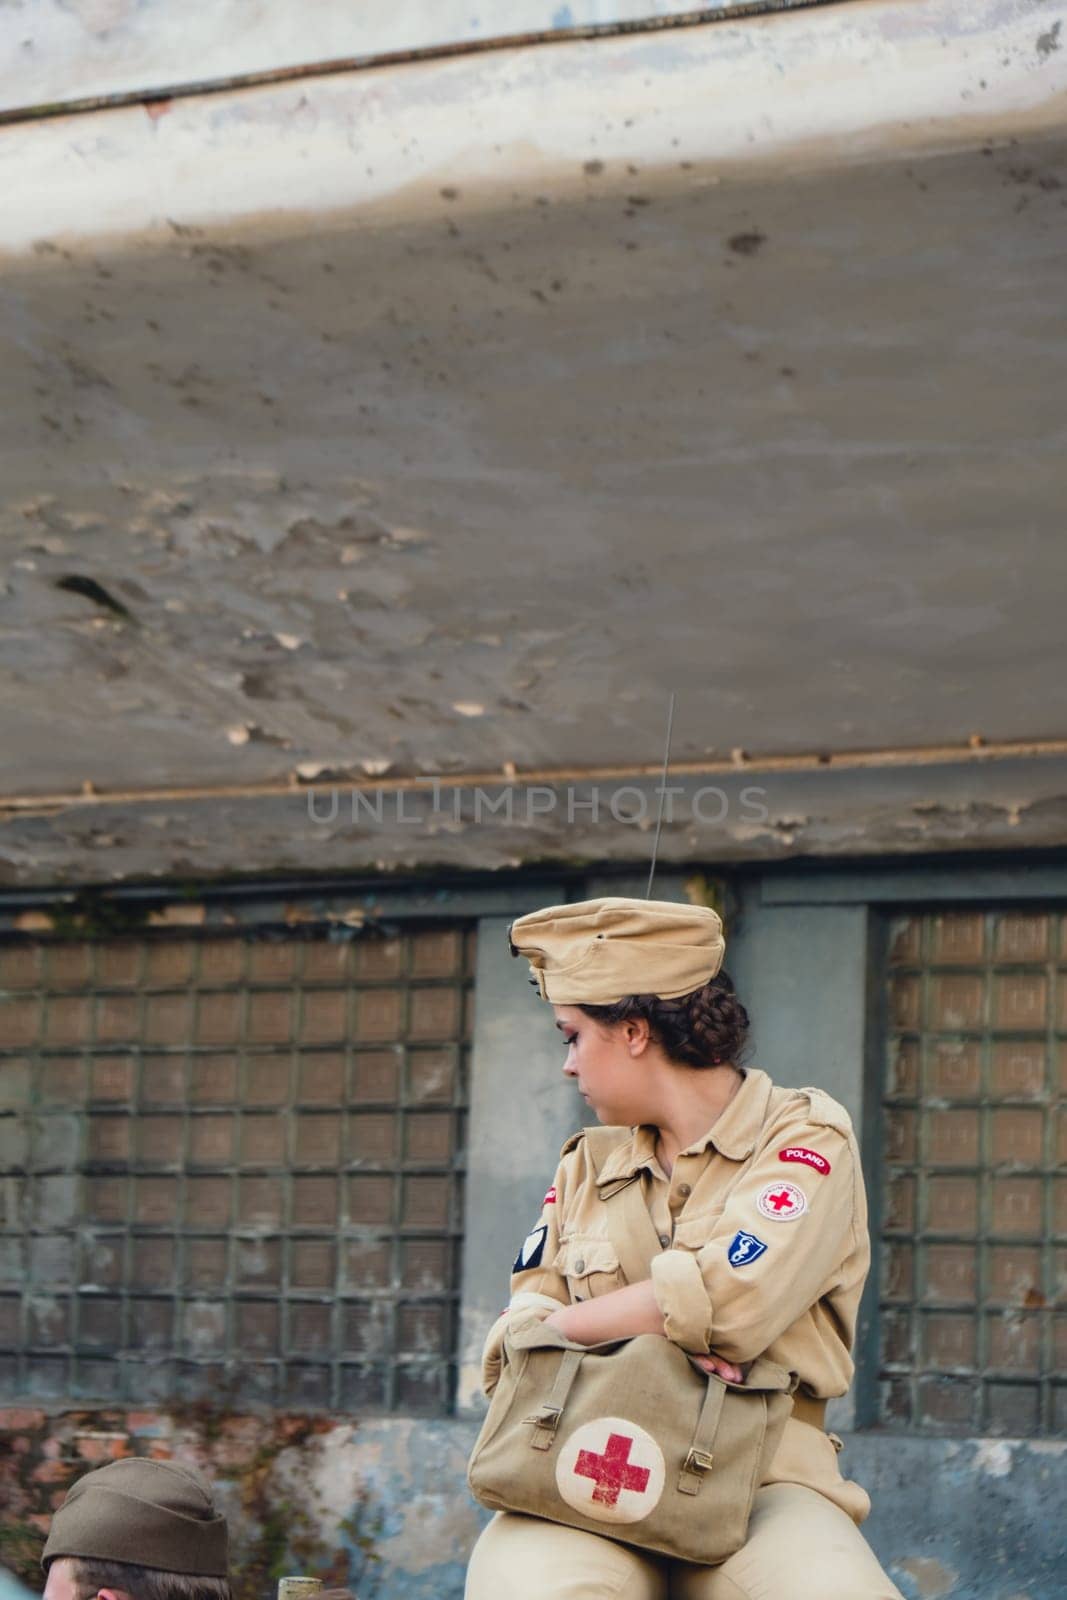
point(56, 52)
point(442, 418)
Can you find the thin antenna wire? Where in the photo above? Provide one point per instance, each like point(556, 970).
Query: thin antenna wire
point(662, 796)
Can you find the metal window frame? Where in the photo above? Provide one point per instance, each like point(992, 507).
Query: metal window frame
point(238, 913)
point(886, 891)
point(985, 1241)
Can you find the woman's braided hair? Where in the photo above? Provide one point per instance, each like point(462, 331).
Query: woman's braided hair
point(705, 1028)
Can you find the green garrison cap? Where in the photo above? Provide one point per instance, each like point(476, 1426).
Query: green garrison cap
point(147, 1513)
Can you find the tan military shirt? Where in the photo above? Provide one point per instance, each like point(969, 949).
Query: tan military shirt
point(763, 1223)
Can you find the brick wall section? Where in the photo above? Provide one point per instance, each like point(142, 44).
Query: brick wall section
point(42, 1453)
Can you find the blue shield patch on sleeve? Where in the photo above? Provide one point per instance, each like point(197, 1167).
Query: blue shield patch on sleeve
point(744, 1249)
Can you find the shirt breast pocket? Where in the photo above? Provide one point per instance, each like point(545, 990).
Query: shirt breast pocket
point(693, 1232)
point(590, 1266)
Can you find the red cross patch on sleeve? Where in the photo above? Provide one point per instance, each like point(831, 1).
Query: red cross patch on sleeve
point(782, 1202)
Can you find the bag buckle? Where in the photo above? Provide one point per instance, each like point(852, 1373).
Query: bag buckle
point(546, 1416)
point(696, 1463)
point(545, 1421)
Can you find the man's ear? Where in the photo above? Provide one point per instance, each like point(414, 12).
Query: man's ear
point(112, 1594)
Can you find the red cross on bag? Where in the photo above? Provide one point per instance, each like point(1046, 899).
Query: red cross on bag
point(612, 1470)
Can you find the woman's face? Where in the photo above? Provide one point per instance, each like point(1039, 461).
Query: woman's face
point(608, 1064)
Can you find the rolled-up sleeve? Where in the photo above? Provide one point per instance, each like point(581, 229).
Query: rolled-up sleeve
point(523, 1307)
point(771, 1254)
point(681, 1295)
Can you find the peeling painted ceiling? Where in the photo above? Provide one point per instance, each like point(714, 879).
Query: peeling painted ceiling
point(489, 489)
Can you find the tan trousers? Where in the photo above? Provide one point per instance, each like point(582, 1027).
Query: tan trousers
point(800, 1546)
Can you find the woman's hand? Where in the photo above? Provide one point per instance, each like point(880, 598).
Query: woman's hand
point(719, 1366)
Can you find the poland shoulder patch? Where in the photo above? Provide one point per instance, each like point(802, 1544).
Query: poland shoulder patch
point(806, 1158)
point(611, 1470)
point(531, 1250)
point(782, 1202)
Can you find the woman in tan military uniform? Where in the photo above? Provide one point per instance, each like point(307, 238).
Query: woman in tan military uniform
point(758, 1199)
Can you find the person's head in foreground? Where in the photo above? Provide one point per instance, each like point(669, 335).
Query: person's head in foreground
point(638, 994)
point(138, 1530)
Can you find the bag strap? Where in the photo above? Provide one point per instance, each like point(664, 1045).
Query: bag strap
point(634, 1235)
point(700, 1457)
point(546, 1417)
point(637, 1244)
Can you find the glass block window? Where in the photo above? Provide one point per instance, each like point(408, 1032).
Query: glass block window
point(231, 1169)
point(974, 1249)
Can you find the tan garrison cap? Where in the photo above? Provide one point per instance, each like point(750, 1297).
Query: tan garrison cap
point(146, 1513)
point(596, 952)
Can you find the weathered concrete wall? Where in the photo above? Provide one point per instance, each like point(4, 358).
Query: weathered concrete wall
point(521, 1112)
point(970, 1519)
point(383, 1505)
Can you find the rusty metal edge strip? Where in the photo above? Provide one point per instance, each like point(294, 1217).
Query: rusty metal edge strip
point(395, 58)
point(975, 752)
